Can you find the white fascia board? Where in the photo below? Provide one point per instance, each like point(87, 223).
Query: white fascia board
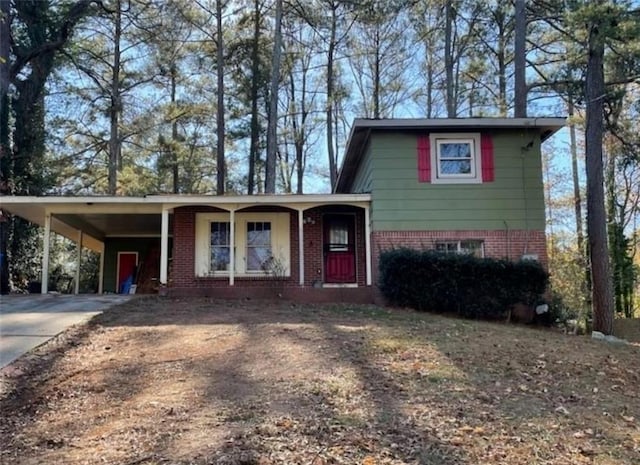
point(269, 199)
point(410, 123)
point(99, 203)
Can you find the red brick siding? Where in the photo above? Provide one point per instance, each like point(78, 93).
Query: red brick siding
point(497, 244)
point(313, 244)
point(362, 295)
point(182, 274)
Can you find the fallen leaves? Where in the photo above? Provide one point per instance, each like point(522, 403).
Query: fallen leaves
point(256, 383)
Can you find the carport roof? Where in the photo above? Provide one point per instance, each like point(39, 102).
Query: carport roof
point(99, 217)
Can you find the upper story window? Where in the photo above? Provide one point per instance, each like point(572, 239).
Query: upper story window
point(456, 158)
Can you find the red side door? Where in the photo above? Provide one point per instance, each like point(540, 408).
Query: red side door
point(127, 262)
point(339, 249)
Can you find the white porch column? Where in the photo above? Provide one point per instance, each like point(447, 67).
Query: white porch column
point(301, 246)
point(78, 263)
point(232, 247)
point(45, 253)
point(101, 271)
point(164, 247)
point(367, 242)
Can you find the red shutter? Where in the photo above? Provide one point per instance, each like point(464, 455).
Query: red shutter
point(424, 159)
point(486, 148)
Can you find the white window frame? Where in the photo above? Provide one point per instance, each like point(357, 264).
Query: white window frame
point(227, 246)
point(473, 138)
point(280, 242)
point(250, 246)
point(458, 244)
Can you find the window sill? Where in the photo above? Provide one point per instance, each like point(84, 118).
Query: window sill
point(255, 276)
point(456, 181)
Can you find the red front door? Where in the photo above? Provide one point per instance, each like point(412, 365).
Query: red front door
point(339, 249)
point(127, 262)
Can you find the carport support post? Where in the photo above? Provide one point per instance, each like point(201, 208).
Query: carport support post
point(79, 263)
point(301, 245)
point(367, 242)
point(164, 247)
point(45, 254)
point(101, 271)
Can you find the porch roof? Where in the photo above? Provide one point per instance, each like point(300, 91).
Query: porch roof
point(99, 217)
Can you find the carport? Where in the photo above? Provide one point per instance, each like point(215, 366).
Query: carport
point(91, 222)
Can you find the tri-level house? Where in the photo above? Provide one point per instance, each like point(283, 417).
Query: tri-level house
point(456, 185)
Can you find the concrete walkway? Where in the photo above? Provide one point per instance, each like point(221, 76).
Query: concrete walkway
point(26, 321)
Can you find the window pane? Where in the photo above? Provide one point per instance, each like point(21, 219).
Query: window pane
point(258, 245)
point(338, 235)
point(455, 166)
point(220, 233)
point(259, 234)
point(220, 239)
point(220, 258)
point(258, 258)
point(447, 247)
point(471, 248)
point(455, 150)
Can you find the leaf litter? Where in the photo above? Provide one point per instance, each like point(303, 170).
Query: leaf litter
point(200, 381)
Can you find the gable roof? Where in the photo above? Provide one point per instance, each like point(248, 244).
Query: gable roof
point(362, 128)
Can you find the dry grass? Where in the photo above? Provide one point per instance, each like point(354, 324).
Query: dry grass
point(159, 381)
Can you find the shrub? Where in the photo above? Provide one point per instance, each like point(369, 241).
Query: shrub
point(463, 284)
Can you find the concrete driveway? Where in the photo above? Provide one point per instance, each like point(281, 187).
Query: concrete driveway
point(26, 321)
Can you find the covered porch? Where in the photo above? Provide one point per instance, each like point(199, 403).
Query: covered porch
point(203, 244)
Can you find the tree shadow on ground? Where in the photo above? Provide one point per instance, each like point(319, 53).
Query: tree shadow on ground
point(253, 382)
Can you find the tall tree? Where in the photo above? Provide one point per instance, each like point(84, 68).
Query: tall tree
point(520, 84)
point(5, 38)
point(602, 288)
point(379, 57)
point(40, 30)
point(220, 123)
point(272, 122)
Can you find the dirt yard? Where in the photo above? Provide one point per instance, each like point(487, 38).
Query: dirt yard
point(160, 381)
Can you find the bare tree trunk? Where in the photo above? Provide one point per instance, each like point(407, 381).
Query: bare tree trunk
point(502, 66)
point(520, 84)
point(175, 167)
point(272, 123)
point(116, 105)
point(5, 38)
point(333, 165)
point(577, 203)
point(376, 77)
point(448, 60)
point(220, 156)
point(577, 196)
point(602, 287)
point(255, 128)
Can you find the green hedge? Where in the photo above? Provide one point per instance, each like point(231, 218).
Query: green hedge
point(462, 284)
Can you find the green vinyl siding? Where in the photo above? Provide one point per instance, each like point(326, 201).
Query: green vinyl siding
point(362, 180)
point(515, 200)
